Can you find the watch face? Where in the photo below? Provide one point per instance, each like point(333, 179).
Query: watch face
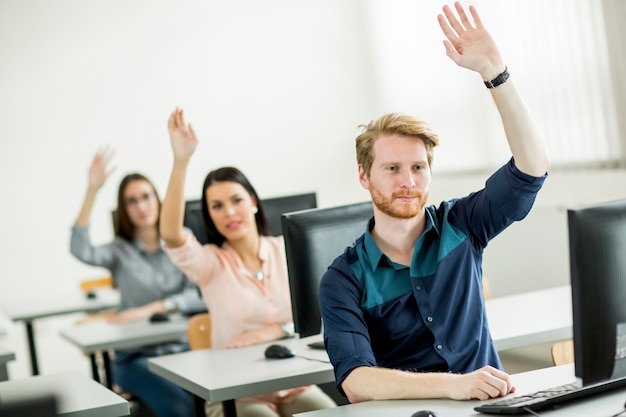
point(169, 305)
point(288, 329)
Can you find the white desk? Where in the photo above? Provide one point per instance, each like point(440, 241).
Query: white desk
point(603, 405)
point(31, 309)
point(77, 395)
point(530, 318)
point(101, 336)
point(222, 375)
point(5, 356)
point(226, 374)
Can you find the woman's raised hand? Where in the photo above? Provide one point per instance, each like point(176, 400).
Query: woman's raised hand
point(182, 136)
point(100, 168)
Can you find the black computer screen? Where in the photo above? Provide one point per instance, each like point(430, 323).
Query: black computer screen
point(313, 239)
point(30, 406)
point(597, 244)
point(274, 207)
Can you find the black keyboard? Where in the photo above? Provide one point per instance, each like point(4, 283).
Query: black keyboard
point(550, 397)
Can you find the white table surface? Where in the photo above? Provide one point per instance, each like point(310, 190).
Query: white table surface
point(77, 395)
point(73, 302)
point(102, 335)
point(224, 374)
point(530, 318)
point(38, 307)
point(603, 405)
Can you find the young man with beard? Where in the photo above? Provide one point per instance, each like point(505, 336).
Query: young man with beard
point(403, 311)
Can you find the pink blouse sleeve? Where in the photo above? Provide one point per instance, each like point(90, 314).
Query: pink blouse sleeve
point(195, 260)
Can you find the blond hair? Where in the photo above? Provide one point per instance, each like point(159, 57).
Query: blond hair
point(392, 124)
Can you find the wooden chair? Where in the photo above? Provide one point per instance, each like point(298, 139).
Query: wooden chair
point(90, 286)
point(199, 335)
point(199, 331)
point(563, 352)
point(486, 289)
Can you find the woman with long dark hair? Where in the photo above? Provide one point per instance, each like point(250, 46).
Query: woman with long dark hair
point(241, 272)
point(147, 280)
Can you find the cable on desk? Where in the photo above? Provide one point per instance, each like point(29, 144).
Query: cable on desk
point(528, 410)
point(312, 359)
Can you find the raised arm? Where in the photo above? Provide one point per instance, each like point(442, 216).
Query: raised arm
point(183, 140)
point(99, 171)
point(470, 46)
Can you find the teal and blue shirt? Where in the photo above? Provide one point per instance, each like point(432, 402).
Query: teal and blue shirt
point(429, 316)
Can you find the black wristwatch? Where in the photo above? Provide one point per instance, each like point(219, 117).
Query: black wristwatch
point(288, 329)
point(500, 79)
point(170, 305)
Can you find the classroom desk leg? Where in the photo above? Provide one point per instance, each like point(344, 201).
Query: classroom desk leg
point(229, 408)
point(107, 369)
point(30, 333)
point(94, 367)
point(198, 406)
point(4, 373)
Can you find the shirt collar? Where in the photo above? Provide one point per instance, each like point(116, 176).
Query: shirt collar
point(374, 253)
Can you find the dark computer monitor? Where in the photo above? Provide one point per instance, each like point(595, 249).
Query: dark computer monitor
point(274, 207)
point(313, 239)
point(37, 406)
point(597, 244)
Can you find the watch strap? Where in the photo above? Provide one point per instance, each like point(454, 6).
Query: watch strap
point(500, 79)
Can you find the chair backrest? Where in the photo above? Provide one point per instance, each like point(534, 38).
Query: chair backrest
point(92, 285)
point(486, 289)
point(274, 208)
point(563, 352)
point(313, 239)
point(199, 331)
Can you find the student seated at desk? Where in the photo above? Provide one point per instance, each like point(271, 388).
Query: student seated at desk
point(148, 282)
point(403, 309)
point(242, 272)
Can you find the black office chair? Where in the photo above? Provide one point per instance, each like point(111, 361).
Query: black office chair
point(313, 239)
point(38, 406)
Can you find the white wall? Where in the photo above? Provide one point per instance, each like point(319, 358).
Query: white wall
point(276, 88)
point(533, 254)
point(260, 82)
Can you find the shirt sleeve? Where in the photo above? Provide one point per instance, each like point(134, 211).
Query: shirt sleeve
point(345, 331)
point(82, 248)
point(507, 197)
point(189, 299)
point(195, 260)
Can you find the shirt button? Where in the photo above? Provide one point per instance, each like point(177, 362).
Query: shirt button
point(439, 347)
point(418, 287)
point(430, 319)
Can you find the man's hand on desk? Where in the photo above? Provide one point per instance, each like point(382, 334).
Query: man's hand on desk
point(482, 384)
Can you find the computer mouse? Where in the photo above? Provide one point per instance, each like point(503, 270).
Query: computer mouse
point(424, 413)
point(159, 317)
point(279, 352)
